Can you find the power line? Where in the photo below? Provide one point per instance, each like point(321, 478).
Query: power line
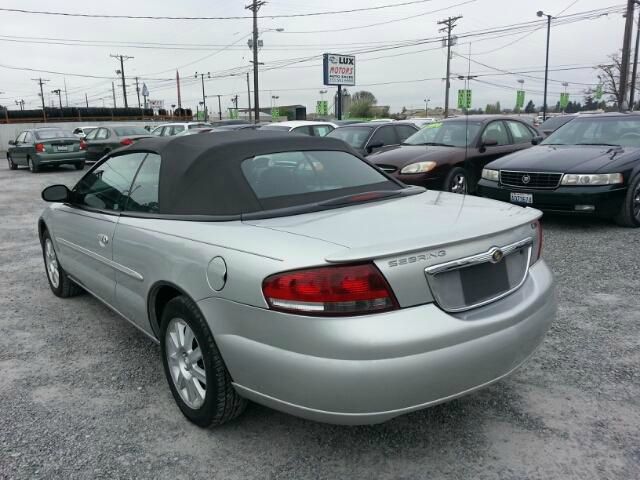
point(153, 17)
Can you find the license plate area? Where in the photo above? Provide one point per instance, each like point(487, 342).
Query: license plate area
point(483, 281)
point(62, 148)
point(519, 197)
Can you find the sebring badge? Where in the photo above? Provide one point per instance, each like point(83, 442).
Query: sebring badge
point(417, 258)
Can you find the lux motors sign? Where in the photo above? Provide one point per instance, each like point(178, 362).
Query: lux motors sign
point(339, 69)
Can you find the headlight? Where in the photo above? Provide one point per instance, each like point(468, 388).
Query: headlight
point(592, 179)
point(419, 167)
point(488, 174)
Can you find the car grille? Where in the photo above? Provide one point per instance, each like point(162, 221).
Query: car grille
point(387, 168)
point(474, 281)
point(530, 179)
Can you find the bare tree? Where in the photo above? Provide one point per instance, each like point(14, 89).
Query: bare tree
point(609, 78)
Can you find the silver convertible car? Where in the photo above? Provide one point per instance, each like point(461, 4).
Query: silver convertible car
point(288, 271)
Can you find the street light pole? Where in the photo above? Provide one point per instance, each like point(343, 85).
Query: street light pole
point(635, 67)
point(426, 106)
point(546, 65)
point(204, 97)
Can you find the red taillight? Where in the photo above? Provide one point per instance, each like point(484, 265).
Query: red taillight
point(126, 141)
point(83, 145)
point(333, 290)
point(40, 147)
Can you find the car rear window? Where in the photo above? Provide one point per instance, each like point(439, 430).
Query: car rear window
point(124, 131)
point(301, 173)
point(51, 133)
point(354, 136)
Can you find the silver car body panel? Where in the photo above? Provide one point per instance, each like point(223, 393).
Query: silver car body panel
point(359, 369)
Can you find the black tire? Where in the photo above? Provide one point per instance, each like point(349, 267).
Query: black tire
point(79, 166)
point(452, 181)
point(12, 166)
point(66, 287)
point(629, 214)
point(33, 168)
point(221, 402)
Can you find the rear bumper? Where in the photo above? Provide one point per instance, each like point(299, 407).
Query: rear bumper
point(59, 158)
point(607, 199)
point(363, 370)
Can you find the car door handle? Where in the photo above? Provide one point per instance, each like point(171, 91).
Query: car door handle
point(103, 240)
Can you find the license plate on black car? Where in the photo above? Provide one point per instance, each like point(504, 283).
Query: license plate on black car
point(518, 197)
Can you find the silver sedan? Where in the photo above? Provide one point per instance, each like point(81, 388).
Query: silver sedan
point(288, 271)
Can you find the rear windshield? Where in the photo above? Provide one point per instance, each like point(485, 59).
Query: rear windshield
point(555, 122)
point(51, 133)
point(300, 175)
point(354, 136)
point(623, 130)
point(124, 131)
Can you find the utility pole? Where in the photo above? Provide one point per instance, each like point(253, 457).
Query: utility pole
point(626, 54)
point(204, 97)
point(20, 104)
point(66, 95)
point(635, 67)
point(249, 96)
point(86, 99)
point(122, 58)
point(42, 81)
point(138, 91)
point(219, 109)
point(113, 89)
point(254, 7)
point(58, 92)
point(449, 25)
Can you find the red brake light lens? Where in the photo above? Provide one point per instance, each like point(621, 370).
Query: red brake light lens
point(126, 141)
point(83, 145)
point(330, 291)
point(40, 147)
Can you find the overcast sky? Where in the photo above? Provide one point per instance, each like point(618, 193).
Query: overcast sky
point(579, 44)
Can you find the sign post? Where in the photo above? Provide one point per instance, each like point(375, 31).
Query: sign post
point(339, 70)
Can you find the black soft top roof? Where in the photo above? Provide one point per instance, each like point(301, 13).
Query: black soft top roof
point(201, 174)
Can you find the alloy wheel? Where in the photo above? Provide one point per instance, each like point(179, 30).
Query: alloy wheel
point(51, 261)
point(458, 184)
point(635, 205)
point(186, 364)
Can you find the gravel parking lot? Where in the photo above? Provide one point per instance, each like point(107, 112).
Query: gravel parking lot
point(82, 393)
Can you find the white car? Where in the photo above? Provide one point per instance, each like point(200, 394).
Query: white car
point(421, 121)
point(305, 127)
point(81, 132)
point(171, 129)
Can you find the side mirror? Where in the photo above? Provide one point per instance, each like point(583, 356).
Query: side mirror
point(536, 140)
point(372, 146)
point(12, 142)
point(56, 193)
point(490, 142)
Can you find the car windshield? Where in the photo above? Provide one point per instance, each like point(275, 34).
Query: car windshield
point(354, 136)
point(124, 131)
point(622, 130)
point(296, 177)
point(51, 133)
point(554, 123)
point(457, 133)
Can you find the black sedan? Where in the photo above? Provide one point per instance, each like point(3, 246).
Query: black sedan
point(103, 140)
point(590, 165)
point(450, 155)
point(370, 136)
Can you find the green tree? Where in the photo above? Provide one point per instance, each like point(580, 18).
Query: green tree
point(530, 108)
point(361, 103)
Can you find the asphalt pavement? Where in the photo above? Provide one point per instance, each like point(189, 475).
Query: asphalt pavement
point(83, 395)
